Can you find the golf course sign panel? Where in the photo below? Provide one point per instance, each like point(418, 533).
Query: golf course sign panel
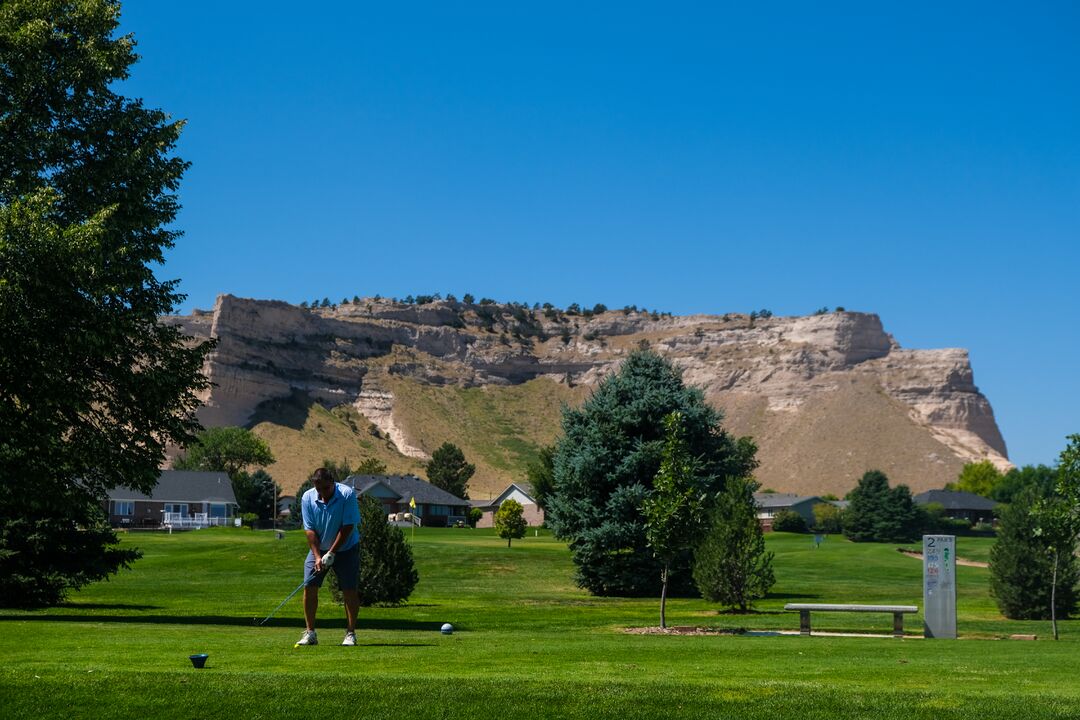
point(939, 586)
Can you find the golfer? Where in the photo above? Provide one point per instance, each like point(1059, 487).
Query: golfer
point(331, 516)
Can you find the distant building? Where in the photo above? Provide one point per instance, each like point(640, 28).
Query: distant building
point(768, 504)
point(182, 498)
point(434, 506)
point(960, 505)
point(523, 493)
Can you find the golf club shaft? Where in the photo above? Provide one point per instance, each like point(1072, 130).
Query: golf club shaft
point(299, 587)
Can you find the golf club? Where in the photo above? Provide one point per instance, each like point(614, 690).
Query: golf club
point(301, 586)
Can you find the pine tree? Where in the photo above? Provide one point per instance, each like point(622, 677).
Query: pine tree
point(731, 565)
point(605, 465)
point(387, 572)
point(449, 471)
point(878, 513)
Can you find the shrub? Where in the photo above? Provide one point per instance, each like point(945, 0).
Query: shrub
point(789, 521)
point(828, 519)
point(1021, 566)
point(474, 516)
point(387, 573)
point(249, 520)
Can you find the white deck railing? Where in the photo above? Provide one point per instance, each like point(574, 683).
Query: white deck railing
point(195, 521)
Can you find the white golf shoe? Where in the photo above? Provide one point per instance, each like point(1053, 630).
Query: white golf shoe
point(308, 638)
point(350, 639)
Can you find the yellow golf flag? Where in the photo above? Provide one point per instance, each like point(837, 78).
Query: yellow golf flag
point(412, 503)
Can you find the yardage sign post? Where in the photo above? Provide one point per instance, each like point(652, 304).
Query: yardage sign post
point(939, 586)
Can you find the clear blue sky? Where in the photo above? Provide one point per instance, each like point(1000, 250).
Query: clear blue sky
point(920, 161)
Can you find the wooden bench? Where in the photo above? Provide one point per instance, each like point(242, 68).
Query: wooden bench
point(896, 610)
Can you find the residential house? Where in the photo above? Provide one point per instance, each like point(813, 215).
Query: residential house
point(769, 504)
point(523, 493)
point(434, 506)
point(181, 498)
point(960, 505)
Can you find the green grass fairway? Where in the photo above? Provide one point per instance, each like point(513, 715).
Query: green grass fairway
point(528, 643)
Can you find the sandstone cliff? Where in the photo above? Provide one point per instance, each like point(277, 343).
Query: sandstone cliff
point(825, 396)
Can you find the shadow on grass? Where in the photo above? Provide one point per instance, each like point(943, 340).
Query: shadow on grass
point(330, 623)
point(397, 644)
point(107, 606)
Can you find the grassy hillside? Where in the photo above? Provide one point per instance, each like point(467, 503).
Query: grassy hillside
point(302, 433)
point(499, 428)
point(527, 642)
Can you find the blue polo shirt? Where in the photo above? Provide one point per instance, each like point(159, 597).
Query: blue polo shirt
point(326, 518)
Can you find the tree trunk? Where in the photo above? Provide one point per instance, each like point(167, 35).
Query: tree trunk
point(1053, 597)
point(508, 541)
point(663, 597)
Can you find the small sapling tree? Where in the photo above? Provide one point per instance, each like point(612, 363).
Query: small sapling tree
point(1030, 578)
point(510, 521)
point(675, 510)
point(1057, 521)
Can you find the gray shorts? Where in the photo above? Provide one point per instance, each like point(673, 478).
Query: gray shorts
point(346, 567)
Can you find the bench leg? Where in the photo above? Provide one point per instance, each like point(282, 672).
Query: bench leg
point(804, 622)
point(898, 625)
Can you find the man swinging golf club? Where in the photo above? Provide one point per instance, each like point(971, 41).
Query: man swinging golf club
point(331, 516)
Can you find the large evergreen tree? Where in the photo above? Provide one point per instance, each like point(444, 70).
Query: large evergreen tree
point(92, 386)
point(878, 513)
point(605, 464)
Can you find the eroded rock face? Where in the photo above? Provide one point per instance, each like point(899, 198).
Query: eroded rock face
point(769, 372)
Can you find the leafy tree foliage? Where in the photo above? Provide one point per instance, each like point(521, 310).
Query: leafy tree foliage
point(257, 493)
point(731, 565)
point(789, 521)
point(370, 466)
point(541, 475)
point(605, 464)
point(1040, 477)
point(675, 510)
point(510, 521)
point(1023, 562)
point(449, 471)
point(230, 449)
point(92, 386)
point(879, 513)
point(828, 519)
point(980, 478)
point(387, 572)
point(1058, 523)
